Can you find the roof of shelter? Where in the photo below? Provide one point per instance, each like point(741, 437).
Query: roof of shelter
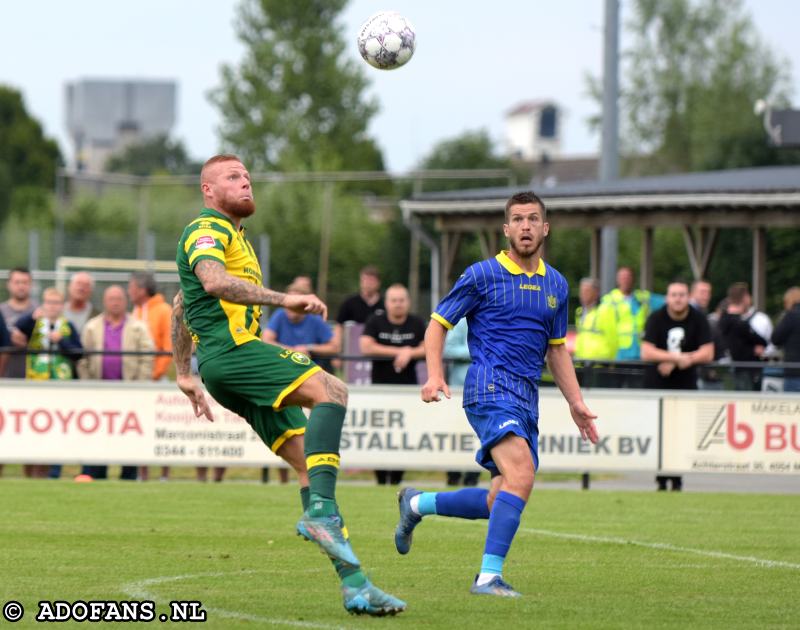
point(750, 187)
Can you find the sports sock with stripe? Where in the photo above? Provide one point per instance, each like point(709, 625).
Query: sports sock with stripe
point(503, 524)
point(467, 503)
point(322, 438)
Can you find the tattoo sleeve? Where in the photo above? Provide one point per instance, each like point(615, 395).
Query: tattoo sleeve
point(181, 340)
point(221, 284)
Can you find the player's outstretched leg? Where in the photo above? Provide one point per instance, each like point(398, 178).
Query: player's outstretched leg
point(359, 595)
point(470, 503)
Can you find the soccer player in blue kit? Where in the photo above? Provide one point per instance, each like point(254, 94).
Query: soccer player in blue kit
point(516, 308)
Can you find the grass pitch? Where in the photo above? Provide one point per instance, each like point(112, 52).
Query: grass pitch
point(581, 559)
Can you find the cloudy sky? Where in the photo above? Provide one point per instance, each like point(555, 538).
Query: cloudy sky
point(474, 61)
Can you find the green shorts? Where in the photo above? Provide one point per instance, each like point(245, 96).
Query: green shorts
point(252, 380)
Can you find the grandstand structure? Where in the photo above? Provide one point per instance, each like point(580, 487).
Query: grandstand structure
point(700, 204)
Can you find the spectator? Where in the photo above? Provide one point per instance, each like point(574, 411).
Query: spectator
point(48, 332)
point(700, 295)
point(309, 334)
point(397, 335)
point(746, 333)
point(111, 332)
point(676, 339)
point(19, 303)
point(596, 330)
point(5, 342)
point(456, 351)
point(360, 306)
point(632, 307)
point(150, 308)
point(787, 336)
point(306, 333)
point(304, 284)
point(202, 473)
point(79, 308)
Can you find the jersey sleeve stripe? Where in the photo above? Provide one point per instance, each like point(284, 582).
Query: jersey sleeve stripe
point(442, 321)
point(206, 253)
point(555, 342)
point(224, 237)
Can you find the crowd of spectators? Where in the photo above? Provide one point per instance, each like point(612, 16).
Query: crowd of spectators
point(676, 336)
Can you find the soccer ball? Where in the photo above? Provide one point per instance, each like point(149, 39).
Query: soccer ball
point(386, 40)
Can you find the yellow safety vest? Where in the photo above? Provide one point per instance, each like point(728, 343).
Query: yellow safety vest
point(596, 333)
point(630, 326)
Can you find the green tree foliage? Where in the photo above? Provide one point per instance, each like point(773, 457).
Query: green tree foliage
point(295, 100)
point(156, 156)
point(28, 160)
point(694, 71)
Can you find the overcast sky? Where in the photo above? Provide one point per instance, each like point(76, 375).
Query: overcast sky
point(474, 61)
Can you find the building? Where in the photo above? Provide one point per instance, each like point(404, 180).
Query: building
point(533, 131)
point(104, 116)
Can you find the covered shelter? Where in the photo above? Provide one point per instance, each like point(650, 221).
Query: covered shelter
point(700, 204)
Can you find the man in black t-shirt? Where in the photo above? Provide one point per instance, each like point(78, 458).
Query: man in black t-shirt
point(397, 337)
point(360, 306)
point(677, 337)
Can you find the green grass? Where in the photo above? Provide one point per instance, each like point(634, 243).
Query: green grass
point(232, 546)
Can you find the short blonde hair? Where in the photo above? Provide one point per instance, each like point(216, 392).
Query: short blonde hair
point(52, 292)
point(791, 297)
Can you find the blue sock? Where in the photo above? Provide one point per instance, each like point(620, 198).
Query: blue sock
point(427, 503)
point(467, 503)
point(503, 524)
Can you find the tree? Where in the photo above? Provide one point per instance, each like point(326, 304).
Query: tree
point(695, 69)
point(153, 156)
point(470, 150)
point(295, 101)
point(28, 160)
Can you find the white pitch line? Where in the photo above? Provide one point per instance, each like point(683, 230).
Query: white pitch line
point(772, 564)
point(138, 590)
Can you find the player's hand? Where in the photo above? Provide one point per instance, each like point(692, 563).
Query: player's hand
point(584, 419)
point(402, 359)
point(305, 304)
point(432, 387)
point(665, 368)
point(194, 392)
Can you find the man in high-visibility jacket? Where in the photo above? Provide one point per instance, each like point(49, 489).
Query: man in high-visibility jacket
point(633, 307)
point(595, 323)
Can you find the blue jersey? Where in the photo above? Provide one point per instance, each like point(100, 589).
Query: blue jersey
point(513, 316)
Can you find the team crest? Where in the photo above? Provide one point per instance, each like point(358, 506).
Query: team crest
point(300, 358)
point(552, 301)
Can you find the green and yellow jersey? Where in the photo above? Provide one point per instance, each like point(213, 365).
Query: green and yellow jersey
point(216, 325)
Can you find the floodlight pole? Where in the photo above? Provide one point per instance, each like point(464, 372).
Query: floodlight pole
point(609, 156)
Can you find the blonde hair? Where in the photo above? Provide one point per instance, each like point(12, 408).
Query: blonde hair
point(791, 297)
point(52, 292)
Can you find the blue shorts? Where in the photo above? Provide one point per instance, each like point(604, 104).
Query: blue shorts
point(493, 421)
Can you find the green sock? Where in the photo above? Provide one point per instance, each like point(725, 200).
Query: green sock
point(349, 576)
point(322, 438)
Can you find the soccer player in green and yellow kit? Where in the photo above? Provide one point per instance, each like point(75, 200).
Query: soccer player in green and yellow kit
point(218, 308)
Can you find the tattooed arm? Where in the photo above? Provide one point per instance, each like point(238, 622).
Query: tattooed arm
point(219, 283)
point(181, 340)
point(182, 353)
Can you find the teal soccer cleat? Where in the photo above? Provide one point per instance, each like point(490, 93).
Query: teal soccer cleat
point(326, 531)
point(368, 599)
point(496, 586)
point(404, 531)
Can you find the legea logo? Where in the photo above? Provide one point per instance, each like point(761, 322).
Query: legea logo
point(508, 422)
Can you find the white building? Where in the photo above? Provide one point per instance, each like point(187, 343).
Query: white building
point(533, 131)
point(104, 116)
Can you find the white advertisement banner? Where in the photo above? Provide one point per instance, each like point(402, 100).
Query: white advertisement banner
point(386, 427)
point(759, 434)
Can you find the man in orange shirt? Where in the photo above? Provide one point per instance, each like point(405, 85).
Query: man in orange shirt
point(149, 306)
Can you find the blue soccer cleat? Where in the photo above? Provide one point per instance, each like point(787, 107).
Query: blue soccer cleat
point(326, 531)
point(368, 599)
point(404, 531)
point(496, 586)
